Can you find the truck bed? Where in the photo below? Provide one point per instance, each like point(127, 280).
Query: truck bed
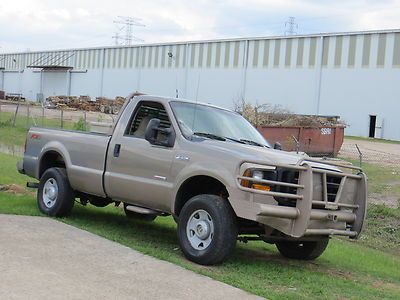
point(84, 154)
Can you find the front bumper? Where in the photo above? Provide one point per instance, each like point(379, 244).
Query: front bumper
point(316, 211)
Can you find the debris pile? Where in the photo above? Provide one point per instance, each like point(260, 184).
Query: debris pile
point(293, 120)
point(102, 104)
point(12, 188)
point(278, 116)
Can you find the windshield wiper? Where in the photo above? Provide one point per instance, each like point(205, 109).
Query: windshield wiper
point(210, 136)
point(250, 142)
point(224, 138)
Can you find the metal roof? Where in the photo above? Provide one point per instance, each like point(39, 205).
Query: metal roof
point(326, 34)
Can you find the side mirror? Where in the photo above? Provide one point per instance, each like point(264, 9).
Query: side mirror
point(278, 146)
point(153, 131)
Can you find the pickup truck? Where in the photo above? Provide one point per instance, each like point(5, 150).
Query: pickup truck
point(207, 167)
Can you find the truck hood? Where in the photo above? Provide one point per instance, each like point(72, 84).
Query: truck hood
point(261, 154)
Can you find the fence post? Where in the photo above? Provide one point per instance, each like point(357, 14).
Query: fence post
point(27, 114)
point(84, 118)
point(15, 115)
point(62, 118)
point(0, 112)
point(42, 116)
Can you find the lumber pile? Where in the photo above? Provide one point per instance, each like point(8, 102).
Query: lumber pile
point(83, 102)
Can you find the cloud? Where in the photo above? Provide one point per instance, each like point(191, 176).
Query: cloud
point(47, 24)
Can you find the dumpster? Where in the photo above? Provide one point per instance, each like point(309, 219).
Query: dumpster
point(315, 141)
point(2, 95)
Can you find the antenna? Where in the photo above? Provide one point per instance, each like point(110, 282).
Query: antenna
point(195, 107)
point(173, 58)
point(128, 23)
point(291, 25)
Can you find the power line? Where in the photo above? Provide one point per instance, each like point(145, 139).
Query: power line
point(291, 26)
point(128, 23)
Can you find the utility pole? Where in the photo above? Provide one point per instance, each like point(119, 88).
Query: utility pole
point(291, 26)
point(128, 23)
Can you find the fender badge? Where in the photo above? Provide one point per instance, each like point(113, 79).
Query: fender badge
point(182, 157)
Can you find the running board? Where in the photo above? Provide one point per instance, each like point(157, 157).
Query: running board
point(32, 185)
point(142, 210)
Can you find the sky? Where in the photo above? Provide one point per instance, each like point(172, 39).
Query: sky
point(29, 25)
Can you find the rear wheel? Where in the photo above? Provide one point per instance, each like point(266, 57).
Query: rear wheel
point(55, 196)
point(207, 229)
point(137, 216)
point(307, 250)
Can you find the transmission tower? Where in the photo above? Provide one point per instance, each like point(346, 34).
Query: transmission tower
point(116, 37)
point(128, 23)
point(291, 26)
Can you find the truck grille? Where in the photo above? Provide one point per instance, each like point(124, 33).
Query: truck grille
point(333, 184)
point(290, 176)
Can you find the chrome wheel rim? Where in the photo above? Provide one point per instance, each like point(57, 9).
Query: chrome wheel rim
point(200, 229)
point(50, 192)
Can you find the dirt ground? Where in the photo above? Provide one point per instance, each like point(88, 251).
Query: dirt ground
point(372, 152)
point(378, 153)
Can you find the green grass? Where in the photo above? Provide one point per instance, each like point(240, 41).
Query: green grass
point(382, 179)
point(347, 270)
point(15, 135)
point(378, 140)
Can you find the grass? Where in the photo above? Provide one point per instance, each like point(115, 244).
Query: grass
point(347, 270)
point(378, 140)
point(382, 179)
point(15, 135)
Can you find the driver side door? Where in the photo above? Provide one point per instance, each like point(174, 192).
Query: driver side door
point(138, 172)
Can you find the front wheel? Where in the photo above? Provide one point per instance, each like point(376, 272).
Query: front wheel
point(307, 250)
point(207, 229)
point(55, 196)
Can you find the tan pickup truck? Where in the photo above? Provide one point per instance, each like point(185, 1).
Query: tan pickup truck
point(206, 166)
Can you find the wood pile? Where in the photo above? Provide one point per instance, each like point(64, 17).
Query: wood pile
point(102, 104)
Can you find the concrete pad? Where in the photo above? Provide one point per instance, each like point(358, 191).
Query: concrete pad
point(41, 258)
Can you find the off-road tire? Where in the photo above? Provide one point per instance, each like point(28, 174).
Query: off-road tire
point(138, 216)
point(308, 250)
point(65, 199)
point(225, 229)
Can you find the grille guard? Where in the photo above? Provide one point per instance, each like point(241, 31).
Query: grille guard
point(301, 215)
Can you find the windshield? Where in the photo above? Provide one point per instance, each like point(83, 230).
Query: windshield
point(216, 123)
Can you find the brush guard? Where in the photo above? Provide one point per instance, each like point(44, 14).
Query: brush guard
point(351, 210)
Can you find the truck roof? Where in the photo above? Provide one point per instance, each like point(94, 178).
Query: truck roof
point(171, 99)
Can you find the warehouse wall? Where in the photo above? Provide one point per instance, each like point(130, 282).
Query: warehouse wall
point(351, 75)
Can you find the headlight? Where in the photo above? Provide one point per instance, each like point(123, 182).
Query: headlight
point(258, 175)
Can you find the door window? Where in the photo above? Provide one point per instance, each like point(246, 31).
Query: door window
point(142, 116)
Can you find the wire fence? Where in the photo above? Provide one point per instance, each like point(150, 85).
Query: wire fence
point(381, 162)
point(26, 115)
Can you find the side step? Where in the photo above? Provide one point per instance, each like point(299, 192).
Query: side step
point(142, 210)
point(32, 185)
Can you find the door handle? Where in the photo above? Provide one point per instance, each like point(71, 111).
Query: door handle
point(117, 149)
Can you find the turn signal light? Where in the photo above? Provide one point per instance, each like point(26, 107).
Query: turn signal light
point(261, 187)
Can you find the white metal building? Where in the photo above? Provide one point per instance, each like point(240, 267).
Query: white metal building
point(354, 75)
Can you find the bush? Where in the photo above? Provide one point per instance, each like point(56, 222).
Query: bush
point(80, 125)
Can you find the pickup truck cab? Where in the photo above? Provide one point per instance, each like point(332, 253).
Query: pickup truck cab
point(206, 166)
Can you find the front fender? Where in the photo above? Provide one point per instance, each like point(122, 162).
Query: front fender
point(224, 175)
